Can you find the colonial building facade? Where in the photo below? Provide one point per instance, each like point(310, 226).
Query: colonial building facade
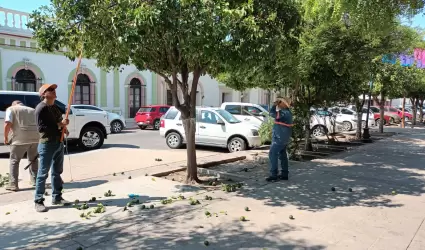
point(24, 68)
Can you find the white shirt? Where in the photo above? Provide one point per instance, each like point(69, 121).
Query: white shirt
point(8, 116)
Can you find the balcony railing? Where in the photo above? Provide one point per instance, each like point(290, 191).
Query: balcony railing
point(15, 21)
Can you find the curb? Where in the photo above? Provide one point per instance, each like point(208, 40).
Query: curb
point(201, 165)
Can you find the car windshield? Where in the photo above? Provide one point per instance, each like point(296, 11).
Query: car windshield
point(374, 109)
point(227, 116)
point(146, 109)
point(393, 110)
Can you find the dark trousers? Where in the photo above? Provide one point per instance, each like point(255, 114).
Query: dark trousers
point(278, 152)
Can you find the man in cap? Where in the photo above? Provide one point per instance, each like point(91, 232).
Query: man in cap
point(50, 149)
point(20, 121)
point(282, 130)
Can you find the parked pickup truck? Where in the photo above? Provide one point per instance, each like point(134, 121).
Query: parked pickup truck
point(87, 129)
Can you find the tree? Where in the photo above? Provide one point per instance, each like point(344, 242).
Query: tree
point(177, 39)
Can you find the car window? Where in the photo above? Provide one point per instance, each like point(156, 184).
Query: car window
point(346, 112)
point(393, 110)
point(227, 116)
point(209, 117)
point(6, 100)
point(171, 115)
point(163, 109)
point(234, 109)
point(32, 100)
point(147, 109)
point(251, 110)
point(62, 107)
point(374, 109)
point(386, 109)
point(335, 110)
point(323, 113)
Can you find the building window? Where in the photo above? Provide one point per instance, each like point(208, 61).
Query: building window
point(25, 80)
point(82, 94)
point(137, 96)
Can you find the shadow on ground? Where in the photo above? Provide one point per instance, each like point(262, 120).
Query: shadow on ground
point(177, 226)
point(372, 173)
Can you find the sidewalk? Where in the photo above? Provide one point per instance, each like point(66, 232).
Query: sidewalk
point(370, 217)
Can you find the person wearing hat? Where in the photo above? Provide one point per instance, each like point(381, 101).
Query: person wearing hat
point(50, 148)
point(19, 120)
point(282, 130)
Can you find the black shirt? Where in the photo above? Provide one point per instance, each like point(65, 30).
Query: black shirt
point(48, 117)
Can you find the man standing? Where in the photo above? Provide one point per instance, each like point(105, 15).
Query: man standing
point(20, 120)
point(50, 148)
point(282, 130)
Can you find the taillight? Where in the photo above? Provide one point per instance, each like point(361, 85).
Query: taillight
point(162, 124)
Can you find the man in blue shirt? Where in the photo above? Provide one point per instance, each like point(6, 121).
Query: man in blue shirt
point(282, 130)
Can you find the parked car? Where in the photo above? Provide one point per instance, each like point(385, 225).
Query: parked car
point(150, 116)
point(399, 113)
point(87, 129)
point(322, 122)
point(246, 112)
point(214, 127)
point(388, 118)
point(117, 121)
point(348, 117)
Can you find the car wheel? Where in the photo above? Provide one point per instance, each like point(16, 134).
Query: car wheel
point(378, 121)
point(116, 127)
point(142, 127)
point(156, 125)
point(174, 140)
point(236, 144)
point(363, 124)
point(318, 131)
point(346, 126)
point(392, 121)
point(91, 138)
point(406, 119)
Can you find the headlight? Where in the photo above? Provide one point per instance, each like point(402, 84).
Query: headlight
point(254, 132)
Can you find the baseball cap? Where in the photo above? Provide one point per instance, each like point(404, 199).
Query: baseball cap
point(46, 86)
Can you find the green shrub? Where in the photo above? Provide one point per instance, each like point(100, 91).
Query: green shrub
point(265, 130)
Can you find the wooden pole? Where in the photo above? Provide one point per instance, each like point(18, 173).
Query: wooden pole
point(71, 95)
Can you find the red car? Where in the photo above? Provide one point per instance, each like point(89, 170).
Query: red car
point(377, 116)
point(407, 115)
point(149, 116)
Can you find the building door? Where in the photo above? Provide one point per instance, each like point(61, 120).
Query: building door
point(25, 80)
point(136, 96)
point(82, 92)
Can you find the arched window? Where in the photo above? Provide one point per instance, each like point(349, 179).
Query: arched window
point(25, 80)
point(137, 96)
point(82, 94)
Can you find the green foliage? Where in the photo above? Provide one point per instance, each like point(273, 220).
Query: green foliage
point(266, 129)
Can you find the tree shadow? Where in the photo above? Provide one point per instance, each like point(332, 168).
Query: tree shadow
point(372, 173)
point(177, 226)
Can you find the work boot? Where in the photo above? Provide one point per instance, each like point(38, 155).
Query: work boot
point(61, 202)
point(271, 178)
point(13, 188)
point(39, 207)
point(284, 176)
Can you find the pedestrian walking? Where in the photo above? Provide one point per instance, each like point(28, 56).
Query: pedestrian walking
point(20, 124)
point(50, 148)
point(282, 130)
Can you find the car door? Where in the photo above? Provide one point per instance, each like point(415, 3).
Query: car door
point(210, 132)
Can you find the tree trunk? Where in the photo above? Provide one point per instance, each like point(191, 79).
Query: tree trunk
point(192, 167)
point(308, 146)
point(402, 110)
point(421, 110)
point(415, 110)
point(381, 114)
point(359, 110)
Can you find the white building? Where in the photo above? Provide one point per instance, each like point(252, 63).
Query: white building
point(23, 68)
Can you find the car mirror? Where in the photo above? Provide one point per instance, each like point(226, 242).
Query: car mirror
point(220, 122)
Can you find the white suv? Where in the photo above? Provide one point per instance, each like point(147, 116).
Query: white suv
point(87, 129)
point(246, 112)
point(116, 121)
point(214, 127)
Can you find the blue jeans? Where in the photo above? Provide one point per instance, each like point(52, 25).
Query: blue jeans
point(51, 157)
point(278, 152)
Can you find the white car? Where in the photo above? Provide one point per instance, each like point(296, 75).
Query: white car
point(348, 117)
point(87, 129)
point(117, 121)
point(214, 127)
point(246, 112)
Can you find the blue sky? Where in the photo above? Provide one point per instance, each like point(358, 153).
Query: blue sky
point(30, 5)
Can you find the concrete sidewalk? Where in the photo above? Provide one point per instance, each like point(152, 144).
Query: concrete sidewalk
point(370, 217)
